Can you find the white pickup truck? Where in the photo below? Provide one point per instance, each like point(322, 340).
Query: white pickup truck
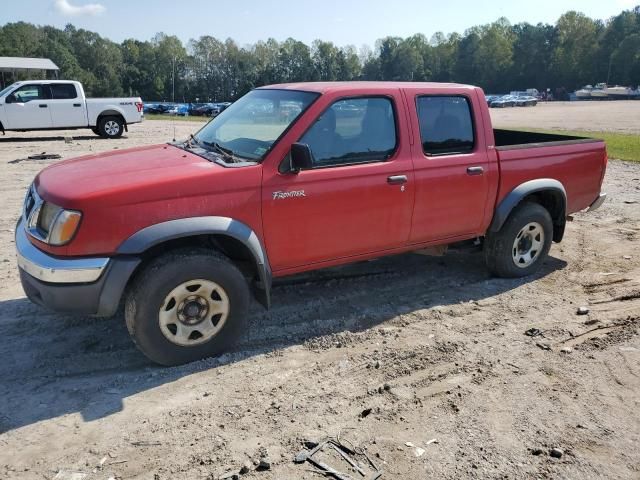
point(62, 105)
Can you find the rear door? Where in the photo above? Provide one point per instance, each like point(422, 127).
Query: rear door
point(28, 108)
point(357, 198)
point(451, 165)
point(67, 106)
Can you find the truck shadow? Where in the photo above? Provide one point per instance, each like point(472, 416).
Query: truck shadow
point(56, 364)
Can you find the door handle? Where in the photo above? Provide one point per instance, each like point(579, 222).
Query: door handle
point(43, 105)
point(77, 105)
point(475, 171)
point(397, 179)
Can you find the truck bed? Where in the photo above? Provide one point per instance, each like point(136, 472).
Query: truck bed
point(515, 139)
point(576, 162)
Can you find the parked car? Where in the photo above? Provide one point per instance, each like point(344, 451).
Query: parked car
point(179, 110)
point(526, 101)
point(183, 233)
point(61, 104)
point(503, 101)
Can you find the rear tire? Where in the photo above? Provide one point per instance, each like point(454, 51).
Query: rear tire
point(110, 127)
point(522, 244)
point(187, 305)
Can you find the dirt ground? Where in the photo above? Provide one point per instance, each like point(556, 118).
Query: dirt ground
point(408, 349)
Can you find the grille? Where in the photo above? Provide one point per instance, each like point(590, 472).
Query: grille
point(29, 203)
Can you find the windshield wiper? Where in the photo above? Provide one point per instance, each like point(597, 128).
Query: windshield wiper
point(226, 153)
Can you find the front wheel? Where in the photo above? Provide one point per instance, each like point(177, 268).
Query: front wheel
point(187, 305)
point(522, 244)
point(110, 127)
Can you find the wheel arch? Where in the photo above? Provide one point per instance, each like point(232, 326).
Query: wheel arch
point(111, 113)
point(548, 192)
point(234, 238)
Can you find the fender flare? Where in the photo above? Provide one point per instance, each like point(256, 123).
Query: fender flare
point(515, 196)
point(188, 227)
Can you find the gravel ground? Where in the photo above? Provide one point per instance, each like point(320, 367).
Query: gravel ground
point(407, 349)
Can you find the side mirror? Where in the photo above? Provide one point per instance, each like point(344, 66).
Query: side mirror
point(301, 157)
point(10, 99)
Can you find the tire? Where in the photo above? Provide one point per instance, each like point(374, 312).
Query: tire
point(95, 130)
point(110, 127)
point(522, 244)
point(157, 312)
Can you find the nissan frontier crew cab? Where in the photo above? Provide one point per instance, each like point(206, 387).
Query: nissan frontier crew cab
point(292, 178)
point(62, 105)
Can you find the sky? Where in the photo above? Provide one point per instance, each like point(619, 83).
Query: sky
point(344, 22)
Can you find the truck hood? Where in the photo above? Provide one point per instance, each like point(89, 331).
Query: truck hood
point(145, 173)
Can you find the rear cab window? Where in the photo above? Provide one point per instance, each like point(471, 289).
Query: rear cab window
point(446, 124)
point(353, 130)
point(63, 91)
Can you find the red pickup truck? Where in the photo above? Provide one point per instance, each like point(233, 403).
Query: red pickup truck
point(292, 178)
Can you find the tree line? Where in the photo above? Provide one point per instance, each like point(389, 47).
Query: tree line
point(499, 57)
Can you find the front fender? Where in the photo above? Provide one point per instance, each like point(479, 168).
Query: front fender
point(186, 227)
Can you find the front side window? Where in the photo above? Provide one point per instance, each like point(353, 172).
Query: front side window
point(353, 131)
point(29, 93)
point(250, 126)
point(446, 126)
point(63, 91)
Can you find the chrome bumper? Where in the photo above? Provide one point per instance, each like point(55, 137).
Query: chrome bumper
point(54, 270)
point(598, 202)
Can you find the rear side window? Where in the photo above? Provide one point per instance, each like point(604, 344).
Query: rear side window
point(354, 130)
point(446, 125)
point(63, 91)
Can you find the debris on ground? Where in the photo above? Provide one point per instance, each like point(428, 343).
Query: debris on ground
point(582, 311)
point(41, 156)
point(556, 452)
point(316, 456)
point(543, 346)
point(45, 156)
point(533, 332)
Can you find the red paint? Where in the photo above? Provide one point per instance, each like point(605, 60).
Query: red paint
point(347, 213)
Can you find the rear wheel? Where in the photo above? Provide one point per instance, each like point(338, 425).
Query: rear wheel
point(110, 127)
point(522, 244)
point(187, 305)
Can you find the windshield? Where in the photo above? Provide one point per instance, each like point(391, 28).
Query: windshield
point(7, 89)
point(250, 126)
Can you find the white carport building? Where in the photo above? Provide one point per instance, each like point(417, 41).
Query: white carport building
point(14, 65)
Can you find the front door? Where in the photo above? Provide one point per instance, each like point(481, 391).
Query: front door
point(358, 196)
point(451, 165)
point(28, 108)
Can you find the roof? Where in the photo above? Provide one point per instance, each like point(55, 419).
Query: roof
point(23, 63)
point(323, 87)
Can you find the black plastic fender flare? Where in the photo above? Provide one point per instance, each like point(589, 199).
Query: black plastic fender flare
point(515, 196)
point(188, 227)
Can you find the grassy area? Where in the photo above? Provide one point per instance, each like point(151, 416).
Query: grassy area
point(620, 146)
point(154, 116)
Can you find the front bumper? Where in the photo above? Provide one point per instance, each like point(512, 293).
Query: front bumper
point(597, 202)
point(92, 286)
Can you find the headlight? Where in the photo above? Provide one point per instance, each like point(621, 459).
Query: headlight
point(54, 225)
point(64, 227)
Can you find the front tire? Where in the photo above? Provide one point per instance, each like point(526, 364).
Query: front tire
point(187, 305)
point(110, 127)
point(522, 244)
